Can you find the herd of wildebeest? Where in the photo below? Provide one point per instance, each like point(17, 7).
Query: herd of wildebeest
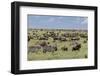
point(43, 41)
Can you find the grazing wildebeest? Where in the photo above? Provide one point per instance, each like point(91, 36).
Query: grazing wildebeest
point(43, 38)
point(49, 49)
point(64, 48)
point(34, 49)
point(46, 35)
point(28, 38)
point(44, 43)
point(85, 56)
point(66, 35)
point(84, 35)
point(52, 34)
point(75, 38)
point(63, 39)
point(85, 41)
point(73, 35)
point(56, 38)
point(34, 33)
point(76, 46)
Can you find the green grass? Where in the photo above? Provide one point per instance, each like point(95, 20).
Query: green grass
point(59, 54)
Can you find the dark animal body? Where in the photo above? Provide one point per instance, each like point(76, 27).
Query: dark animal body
point(76, 47)
point(64, 48)
point(84, 35)
point(34, 49)
point(49, 49)
point(75, 38)
point(43, 38)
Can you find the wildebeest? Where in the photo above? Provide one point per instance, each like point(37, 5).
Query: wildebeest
point(43, 38)
point(42, 44)
point(63, 39)
point(75, 38)
point(28, 38)
point(73, 34)
point(84, 35)
point(34, 48)
point(85, 56)
point(69, 34)
point(59, 38)
point(76, 46)
point(52, 34)
point(64, 48)
point(49, 49)
point(56, 38)
point(46, 34)
point(85, 41)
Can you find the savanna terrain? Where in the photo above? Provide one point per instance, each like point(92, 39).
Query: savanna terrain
point(49, 44)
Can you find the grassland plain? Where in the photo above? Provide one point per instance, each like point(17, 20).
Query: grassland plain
point(59, 54)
